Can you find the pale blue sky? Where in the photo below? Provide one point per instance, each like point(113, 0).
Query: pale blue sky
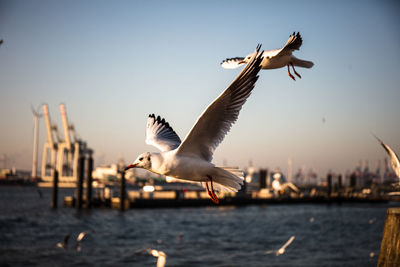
point(114, 62)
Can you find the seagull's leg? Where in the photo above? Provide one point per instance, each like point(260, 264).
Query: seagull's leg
point(211, 192)
point(290, 75)
point(295, 72)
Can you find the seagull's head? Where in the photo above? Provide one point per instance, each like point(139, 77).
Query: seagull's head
point(246, 59)
point(142, 161)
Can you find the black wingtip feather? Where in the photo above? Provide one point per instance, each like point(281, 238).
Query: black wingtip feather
point(161, 121)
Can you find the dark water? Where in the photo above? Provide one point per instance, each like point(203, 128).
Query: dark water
point(217, 236)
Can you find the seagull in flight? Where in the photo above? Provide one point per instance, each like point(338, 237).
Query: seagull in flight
point(191, 159)
point(275, 59)
point(79, 239)
point(394, 159)
point(283, 248)
point(160, 255)
point(64, 244)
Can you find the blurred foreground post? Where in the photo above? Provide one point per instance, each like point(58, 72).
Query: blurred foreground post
point(122, 192)
point(389, 254)
point(81, 168)
point(263, 178)
point(89, 182)
point(329, 184)
point(54, 203)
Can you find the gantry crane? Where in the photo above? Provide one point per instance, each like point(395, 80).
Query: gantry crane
point(65, 153)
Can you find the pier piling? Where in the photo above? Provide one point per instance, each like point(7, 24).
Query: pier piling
point(329, 184)
point(122, 192)
point(54, 201)
point(79, 190)
point(263, 178)
point(89, 182)
point(389, 254)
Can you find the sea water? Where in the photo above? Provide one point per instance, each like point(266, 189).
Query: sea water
point(325, 235)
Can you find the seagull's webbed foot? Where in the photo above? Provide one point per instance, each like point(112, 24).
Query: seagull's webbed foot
point(295, 72)
point(290, 75)
point(211, 192)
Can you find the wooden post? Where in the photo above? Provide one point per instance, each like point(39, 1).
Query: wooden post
point(122, 192)
point(54, 202)
point(263, 178)
point(89, 182)
point(389, 254)
point(81, 168)
point(353, 180)
point(329, 182)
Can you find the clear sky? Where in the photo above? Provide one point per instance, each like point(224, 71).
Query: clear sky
point(114, 62)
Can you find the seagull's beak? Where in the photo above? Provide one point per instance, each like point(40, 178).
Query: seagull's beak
point(130, 166)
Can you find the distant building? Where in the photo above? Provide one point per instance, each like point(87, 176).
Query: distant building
point(106, 172)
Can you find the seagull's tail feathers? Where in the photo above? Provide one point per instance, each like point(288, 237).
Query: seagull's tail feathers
point(232, 63)
point(228, 179)
point(302, 63)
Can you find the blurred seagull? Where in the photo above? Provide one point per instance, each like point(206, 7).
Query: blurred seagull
point(79, 240)
point(275, 59)
point(162, 257)
point(394, 159)
point(283, 248)
point(191, 159)
point(64, 244)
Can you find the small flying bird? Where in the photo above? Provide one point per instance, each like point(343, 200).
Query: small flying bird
point(371, 221)
point(64, 244)
point(283, 248)
point(79, 240)
point(312, 219)
point(394, 159)
point(191, 159)
point(275, 59)
point(161, 257)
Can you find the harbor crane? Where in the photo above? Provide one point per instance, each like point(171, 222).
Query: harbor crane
point(64, 153)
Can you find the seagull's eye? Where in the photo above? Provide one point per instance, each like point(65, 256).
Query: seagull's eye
point(141, 159)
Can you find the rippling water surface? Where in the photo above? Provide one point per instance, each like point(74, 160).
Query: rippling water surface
point(211, 236)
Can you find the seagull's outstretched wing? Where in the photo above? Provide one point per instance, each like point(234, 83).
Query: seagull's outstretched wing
point(293, 43)
point(394, 159)
point(232, 63)
point(81, 236)
point(160, 134)
point(212, 126)
point(288, 242)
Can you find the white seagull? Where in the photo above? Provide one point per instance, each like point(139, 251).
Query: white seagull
point(160, 255)
point(64, 244)
point(394, 159)
point(283, 248)
point(79, 240)
point(275, 59)
point(191, 159)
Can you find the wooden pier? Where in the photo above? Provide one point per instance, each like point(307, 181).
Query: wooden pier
point(171, 199)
